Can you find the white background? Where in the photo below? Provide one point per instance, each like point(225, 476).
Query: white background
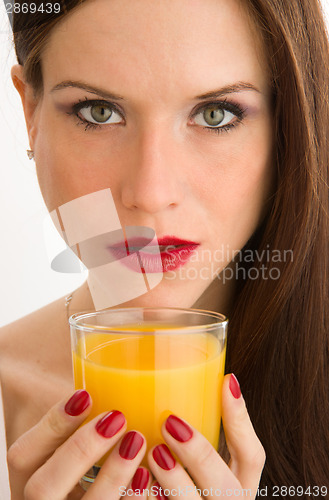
point(26, 280)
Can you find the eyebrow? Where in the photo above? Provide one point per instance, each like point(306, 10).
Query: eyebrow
point(228, 89)
point(84, 86)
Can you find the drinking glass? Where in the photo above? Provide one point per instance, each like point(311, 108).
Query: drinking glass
point(149, 363)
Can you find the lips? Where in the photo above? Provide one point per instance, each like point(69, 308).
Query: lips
point(165, 254)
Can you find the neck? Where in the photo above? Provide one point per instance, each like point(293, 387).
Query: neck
point(218, 297)
point(81, 300)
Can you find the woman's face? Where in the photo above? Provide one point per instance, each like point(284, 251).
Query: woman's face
point(174, 117)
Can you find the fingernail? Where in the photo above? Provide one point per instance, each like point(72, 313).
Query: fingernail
point(178, 429)
point(130, 445)
point(163, 457)
point(78, 403)
point(234, 386)
point(140, 479)
point(158, 492)
point(110, 424)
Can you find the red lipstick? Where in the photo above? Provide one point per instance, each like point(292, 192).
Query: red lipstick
point(165, 254)
point(175, 252)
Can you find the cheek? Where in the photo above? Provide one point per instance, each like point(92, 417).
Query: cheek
point(242, 189)
point(70, 166)
point(252, 180)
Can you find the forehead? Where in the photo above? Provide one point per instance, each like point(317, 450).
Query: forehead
point(194, 44)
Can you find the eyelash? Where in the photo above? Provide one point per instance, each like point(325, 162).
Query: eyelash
point(225, 105)
point(86, 103)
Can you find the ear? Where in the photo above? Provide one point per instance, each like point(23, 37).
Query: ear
point(28, 98)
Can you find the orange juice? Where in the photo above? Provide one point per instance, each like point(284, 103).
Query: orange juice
point(149, 375)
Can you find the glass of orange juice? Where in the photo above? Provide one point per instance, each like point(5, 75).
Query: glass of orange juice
point(149, 363)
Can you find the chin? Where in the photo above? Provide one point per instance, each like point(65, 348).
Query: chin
point(166, 295)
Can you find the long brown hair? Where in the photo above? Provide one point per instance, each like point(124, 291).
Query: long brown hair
point(279, 330)
point(279, 336)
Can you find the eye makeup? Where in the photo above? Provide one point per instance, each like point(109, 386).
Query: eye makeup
point(232, 108)
point(227, 106)
point(90, 103)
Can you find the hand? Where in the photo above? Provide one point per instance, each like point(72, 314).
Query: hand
point(206, 469)
point(47, 462)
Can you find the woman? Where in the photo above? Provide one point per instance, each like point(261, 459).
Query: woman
point(208, 121)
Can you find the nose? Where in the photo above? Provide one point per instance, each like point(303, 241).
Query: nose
point(152, 181)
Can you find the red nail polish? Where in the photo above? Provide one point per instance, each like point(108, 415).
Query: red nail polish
point(163, 457)
point(78, 403)
point(110, 424)
point(234, 386)
point(130, 445)
point(140, 479)
point(178, 429)
point(159, 492)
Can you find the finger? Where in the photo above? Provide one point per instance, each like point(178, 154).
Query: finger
point(173, 479)
point(247, 453)
point(58, 476)
point(205, 466)
point(140, 484)
point(157, 492)
point(119, 468)
point(34, 447)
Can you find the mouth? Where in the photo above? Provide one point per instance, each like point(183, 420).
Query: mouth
point(160, 255)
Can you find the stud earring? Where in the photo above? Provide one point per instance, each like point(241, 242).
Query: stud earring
point(30, 154)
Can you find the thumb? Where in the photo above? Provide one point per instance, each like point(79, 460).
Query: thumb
point(247, 452)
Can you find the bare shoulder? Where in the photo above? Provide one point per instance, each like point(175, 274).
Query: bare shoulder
point(30, 337)
point(35, 366)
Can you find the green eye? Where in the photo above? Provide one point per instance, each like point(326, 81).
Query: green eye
point(217, 116)
point(100, 113)
point(97, 113)
point(213, 116)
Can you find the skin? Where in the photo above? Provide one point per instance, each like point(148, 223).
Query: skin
point(164, 168)
point(166, 171)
